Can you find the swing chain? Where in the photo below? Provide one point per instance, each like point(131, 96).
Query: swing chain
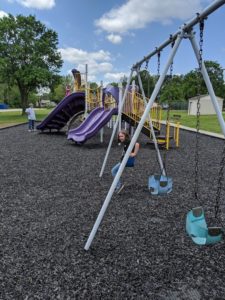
point(146, 65)
point(196, 188)
point(158, 65)
point(220, 181)
point(170, 79)
point(201, 27)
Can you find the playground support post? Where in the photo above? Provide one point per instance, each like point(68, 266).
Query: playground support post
point(116, 124)
point(151, 126)
point(120, 102)
point(102, 105)
point(86, 90)
point(208, 84)
point(133, 141)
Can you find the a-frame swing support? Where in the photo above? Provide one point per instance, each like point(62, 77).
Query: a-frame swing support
point(132, 143)
point(162, 167)
point(183, 33)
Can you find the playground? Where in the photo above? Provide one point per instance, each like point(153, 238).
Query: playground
point(90, 211)
point(51, 193)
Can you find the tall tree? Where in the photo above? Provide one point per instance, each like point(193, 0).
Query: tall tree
point(172, 90)
point(28, 54)
point(192, 81)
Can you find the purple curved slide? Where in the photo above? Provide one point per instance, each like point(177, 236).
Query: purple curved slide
point(94, 122)
point(67, 108)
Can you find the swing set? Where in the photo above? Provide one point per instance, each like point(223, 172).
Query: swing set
point(196, 225)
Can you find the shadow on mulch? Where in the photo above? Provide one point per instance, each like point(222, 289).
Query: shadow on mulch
point(50, 197)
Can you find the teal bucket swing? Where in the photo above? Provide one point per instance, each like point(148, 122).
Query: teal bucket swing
point(196, 225)
point(197, 229)
point(161, 184)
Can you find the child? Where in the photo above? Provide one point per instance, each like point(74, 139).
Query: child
point(67, 90)
point(124, 138)
point(31, 117)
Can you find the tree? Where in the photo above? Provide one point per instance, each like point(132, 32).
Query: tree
point(28, 54)
point(58, 93)
point(172, 90)
point(215, 72)
point(148, 82)
point(191, 81)
point(93, 85)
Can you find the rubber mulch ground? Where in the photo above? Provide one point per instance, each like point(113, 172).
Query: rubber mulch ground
point(51, 194)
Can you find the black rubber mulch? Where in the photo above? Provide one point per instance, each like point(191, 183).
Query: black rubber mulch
point(50, 197)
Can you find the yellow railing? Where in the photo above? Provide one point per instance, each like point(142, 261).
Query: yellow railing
point(134, 108)
point(93, 98)
point(109, 102)
point(176, 133)
point(168, 137)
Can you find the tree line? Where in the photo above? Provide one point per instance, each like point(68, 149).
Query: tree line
point(177, 89)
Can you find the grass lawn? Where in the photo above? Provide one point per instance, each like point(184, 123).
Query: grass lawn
point(207, 122)
point(16, 117)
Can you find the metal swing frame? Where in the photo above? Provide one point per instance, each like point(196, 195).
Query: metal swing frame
point(184, 32)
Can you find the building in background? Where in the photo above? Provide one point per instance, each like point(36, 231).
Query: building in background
point(206, 105)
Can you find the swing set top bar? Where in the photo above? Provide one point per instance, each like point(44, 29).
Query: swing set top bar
point(187, 27)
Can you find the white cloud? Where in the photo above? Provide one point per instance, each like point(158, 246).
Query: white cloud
point(3, 14)
point(95, 68)
point(38, 4)
point(76, 56)
point(114, 38)
point(136, 14)
point(98, 62)
point(115, 76)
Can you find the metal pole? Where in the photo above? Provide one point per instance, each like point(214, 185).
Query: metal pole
point(186, 27)
point(209, 85)
point(86, 90)
point(132, 143)
point(116, 124)
point(120, 101)
point(151, 127)
point(101, 105)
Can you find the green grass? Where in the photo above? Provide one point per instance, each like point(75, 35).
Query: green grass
point(16, 117)
point(207, 122)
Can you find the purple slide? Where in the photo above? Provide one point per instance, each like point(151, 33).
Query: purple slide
point(94, 122)
point(67, 108)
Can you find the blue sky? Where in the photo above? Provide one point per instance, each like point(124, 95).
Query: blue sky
point(113, 35)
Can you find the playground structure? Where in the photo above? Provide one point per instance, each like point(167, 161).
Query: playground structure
point(94, 108)
point(100, 114)
point(72, 105)
point(133, 109)
point(194, 227)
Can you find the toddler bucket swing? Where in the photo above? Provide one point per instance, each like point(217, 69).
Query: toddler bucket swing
point(197, 229)
point(196, 225)
point(161, 184)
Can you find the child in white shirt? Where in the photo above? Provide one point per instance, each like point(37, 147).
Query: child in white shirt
point(31, 117)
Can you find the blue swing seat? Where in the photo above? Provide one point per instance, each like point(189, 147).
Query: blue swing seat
point(130, 162)
point(197, 229)
point(160, 184)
